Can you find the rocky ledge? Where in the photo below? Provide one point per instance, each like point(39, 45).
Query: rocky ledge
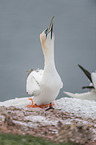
point(54, 124)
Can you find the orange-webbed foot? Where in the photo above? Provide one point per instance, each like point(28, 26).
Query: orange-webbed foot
point(32, 105)
point(41, 106)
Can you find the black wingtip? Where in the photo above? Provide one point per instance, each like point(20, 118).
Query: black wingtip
point(88, 87)
point(88, 74)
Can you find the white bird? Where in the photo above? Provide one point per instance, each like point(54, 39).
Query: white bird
point(45, 84)
point(88, 95)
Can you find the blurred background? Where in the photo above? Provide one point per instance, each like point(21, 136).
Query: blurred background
point(22, 21)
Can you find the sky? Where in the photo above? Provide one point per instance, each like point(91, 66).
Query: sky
point(22, 21)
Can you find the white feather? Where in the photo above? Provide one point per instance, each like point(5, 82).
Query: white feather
point(93, 75)
point(33, 82)
point(86, 96)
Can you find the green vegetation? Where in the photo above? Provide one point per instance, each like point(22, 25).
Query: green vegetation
point(9, 139)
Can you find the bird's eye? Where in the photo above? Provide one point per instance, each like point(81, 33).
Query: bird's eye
point(46, 32)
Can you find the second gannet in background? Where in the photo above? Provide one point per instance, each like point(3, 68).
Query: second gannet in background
point(44, 85)
point(92, 87)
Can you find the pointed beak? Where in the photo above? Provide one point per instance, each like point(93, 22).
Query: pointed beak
point(50, 28)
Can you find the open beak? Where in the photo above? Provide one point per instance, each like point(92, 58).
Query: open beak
point(50, 28)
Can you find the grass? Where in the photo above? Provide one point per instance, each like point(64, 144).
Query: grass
point(9, 139)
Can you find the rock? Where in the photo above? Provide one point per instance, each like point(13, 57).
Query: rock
point(56, 125)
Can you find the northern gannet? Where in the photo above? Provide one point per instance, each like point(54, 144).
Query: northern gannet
point(44, 85)
point(88, 95)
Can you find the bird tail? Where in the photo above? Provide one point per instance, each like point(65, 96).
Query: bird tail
point(71, 94)
point(86, 95)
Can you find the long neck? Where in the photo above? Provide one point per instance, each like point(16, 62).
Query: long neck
point(49, 59)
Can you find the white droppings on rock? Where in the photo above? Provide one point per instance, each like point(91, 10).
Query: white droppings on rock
point(41, 119)
point(2, 118)
point(82, 108)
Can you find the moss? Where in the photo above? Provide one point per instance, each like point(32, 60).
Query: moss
point(9, 139)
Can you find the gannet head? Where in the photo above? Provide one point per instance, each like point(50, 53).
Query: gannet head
point(47, 37)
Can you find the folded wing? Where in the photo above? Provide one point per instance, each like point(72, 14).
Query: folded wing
point(33, 82)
